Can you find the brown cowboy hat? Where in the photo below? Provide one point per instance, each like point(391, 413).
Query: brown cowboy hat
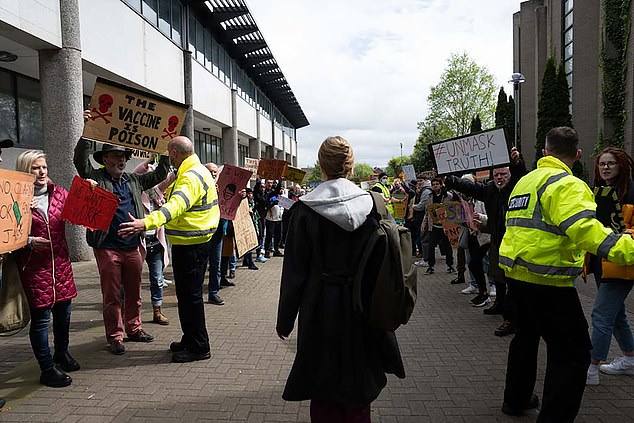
point(107, 148)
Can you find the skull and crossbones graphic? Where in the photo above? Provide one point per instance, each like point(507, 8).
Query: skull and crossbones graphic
point(105, 102)
point(170, 131)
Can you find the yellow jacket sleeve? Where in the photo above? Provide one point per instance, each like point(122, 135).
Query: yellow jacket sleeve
point(183, 193)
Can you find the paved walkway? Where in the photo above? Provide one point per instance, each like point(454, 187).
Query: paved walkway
point(455, 366)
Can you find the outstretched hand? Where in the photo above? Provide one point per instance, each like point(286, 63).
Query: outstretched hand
point(515, 155)
point(131, 228)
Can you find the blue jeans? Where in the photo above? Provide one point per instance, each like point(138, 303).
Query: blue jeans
point(38, 334)
point(609, 318)
point(154, 260)
point(214, 262)
point(233, 263)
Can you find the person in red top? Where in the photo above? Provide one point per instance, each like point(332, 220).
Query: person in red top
point(46, 273)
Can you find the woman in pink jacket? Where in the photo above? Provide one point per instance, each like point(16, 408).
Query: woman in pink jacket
point(47, 274)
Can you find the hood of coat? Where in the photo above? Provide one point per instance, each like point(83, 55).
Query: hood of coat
point(341, 202)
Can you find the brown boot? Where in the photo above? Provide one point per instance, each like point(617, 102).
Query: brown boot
point(159, 317)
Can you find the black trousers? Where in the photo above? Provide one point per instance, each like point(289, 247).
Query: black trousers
point(273, 233)
point(476, 254)
point(189, 263)
point(437, 237)
point(554, 314)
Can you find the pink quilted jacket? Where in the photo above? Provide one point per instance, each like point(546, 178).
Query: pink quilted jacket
point(47, 274)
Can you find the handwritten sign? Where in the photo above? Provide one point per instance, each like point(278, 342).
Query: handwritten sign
point(231, 181)
point(16, 192)
point(452, 211)
point(453, 232)
point(399, 208)
point(130, 118)
point(294, 174)
point(246, 237)
point(252, 165)
point(271, 168)
point(484, 150)
point(285, 202)
point(93, 209)
point(409, 172)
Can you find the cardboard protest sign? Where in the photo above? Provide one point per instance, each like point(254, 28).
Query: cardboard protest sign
point(16, 192)
point(455, 212)
point(91, 208)
point(483, 150)
point(131, 118)
point(437, 212)
point(453, 232)
point(252, 165)
point(294, 174)
point(231, 181)
point(245, 235)
point(409, 172)
point(399, 208)
point(271, 168)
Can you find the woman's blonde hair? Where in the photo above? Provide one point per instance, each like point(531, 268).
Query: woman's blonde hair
point(26, 159)
point(336, 158)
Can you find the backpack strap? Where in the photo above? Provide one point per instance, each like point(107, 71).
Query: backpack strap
point(379, 205)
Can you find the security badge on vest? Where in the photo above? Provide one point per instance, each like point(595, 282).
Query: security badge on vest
point(519, 202)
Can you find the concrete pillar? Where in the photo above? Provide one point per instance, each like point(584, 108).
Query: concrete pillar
point(255, 145)
point(230, 135)
point(188, 126)
point(62, 104)
point(296, 154)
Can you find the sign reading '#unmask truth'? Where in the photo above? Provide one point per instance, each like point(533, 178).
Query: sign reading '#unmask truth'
point(484, 150)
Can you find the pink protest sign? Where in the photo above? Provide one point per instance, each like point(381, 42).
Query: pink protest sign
point(231, 181)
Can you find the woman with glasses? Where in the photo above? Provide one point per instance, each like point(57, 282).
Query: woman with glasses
point(614, 169)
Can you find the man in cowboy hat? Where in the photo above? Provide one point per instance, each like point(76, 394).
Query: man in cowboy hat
point(119, 260)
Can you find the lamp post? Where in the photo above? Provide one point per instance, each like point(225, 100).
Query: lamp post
point(401, 157)
point(517, 78)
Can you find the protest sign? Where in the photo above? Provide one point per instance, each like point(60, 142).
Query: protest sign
point(91, 208)
point(294, 174)
point(483, 150)
point(131, 118)
point(285, 202)
point(271, 169)
point(231, 181)
point(246, 237)
point(453, 232)
point(437, 212)
point(409, 172)
point(16, 192)
point(399, 208)
point(252, 165)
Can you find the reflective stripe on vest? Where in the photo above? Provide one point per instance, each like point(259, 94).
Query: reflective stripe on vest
point(540, 268)
point(204, 207)
point(537, 220)
point(205, 186)
point(189, 234)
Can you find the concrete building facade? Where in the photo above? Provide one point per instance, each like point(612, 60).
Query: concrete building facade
point(209, 55)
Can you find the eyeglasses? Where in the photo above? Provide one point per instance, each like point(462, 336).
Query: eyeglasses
point(607, 164)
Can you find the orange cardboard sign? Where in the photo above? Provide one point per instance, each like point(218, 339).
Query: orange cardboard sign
point(271, 169)
point(16, 192)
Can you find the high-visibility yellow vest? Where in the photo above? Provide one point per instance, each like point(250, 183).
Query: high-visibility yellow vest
point(550, 223)
point(191, 212)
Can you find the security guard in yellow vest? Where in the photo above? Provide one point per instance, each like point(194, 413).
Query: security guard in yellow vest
point(550, 224)
point(190, 216)
point(381, 188)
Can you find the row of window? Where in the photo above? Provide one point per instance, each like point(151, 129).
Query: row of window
point(568, 43)
point(208, 147)
point(20, 109)
point(168, 16)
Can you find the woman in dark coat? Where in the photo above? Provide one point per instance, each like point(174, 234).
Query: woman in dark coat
point(46, 273)
point(341, 362)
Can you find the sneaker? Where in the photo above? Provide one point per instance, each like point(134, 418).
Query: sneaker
point(253, 267)
point(459, 280)
point(618, 366)
point(278, 254)
point(592, 377)
point(140, 336)
point(267, 255)
point(470, 290)
point(494, 310)
point(166, 283)
point(506, 328)
point(420, 263)
point(116, 347)
point(429, 271)
point(226, 282)
point(215, 299)
point(261, 259)
point(232, 274)
point(492, 291)
point(480, 300)
point(450, 269)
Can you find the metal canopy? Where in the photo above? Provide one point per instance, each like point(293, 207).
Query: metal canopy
point(234, 27)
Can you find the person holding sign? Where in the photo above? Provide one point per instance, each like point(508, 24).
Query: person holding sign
point(119, 259)
point(437, 236)
point(190, 215)
point(46, 273)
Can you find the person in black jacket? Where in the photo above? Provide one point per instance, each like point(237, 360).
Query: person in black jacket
point(495, 196)
point(341, 361)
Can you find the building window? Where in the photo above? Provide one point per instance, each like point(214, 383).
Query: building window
point(207, 147)
point(166, 15)
point(567, 42)
point(243, 152)
point(20, 110)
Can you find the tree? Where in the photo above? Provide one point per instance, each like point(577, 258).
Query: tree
point(505, 114)
point(428, 133)
point(395, 165)
point(315, 173)
point(363, 171)
point(476, 124)
point(464, 91)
